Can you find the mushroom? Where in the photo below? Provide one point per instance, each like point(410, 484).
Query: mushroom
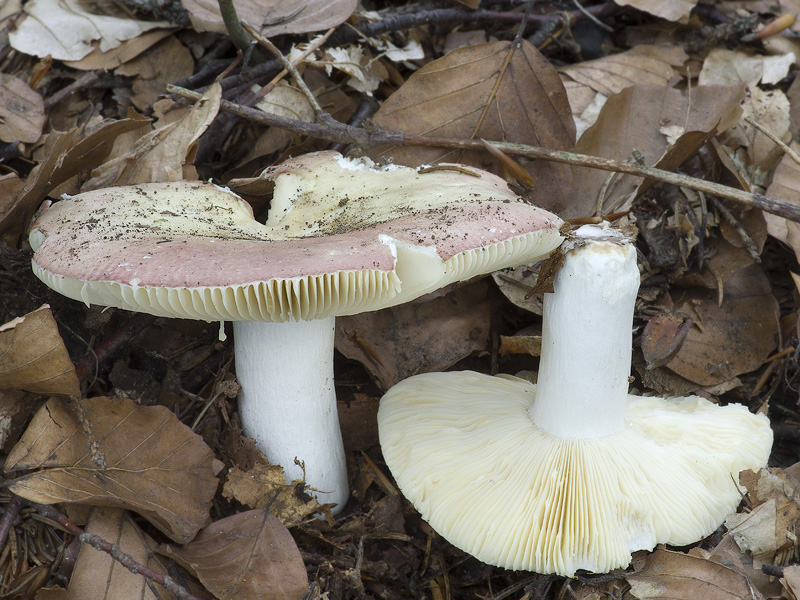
point(573, 472)
point(342, 236)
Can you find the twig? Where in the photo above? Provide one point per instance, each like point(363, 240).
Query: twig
point(7, 522)
point(287, 65)
point(592, 18)
point(311, 48)
point(233, 25)
point(335, 131)
point(778, 141)
point(747, 241)
point(114, 551)
point(440, 16)
point(83, 81)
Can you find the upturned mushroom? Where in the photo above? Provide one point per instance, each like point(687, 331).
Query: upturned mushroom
point(342, 236)
point(572, 472)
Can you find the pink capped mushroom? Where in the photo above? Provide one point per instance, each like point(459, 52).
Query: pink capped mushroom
point(342, 236)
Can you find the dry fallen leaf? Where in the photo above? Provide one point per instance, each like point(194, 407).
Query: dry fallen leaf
point(126, 51)
point(727, 67)
point(671, 575)
point(21, 111)
point(163, 154)
point(785, 186)
point(97, 576)
point(33, 356)
point(662, 337)
point(447, 98)
point(635, 119)
point(730, 338)
point(264, 485)
point(590, 83)
point(673, 10)
point(273, 17)
point(791, 581)
point(753, 154)
point(68, 154)
point(247, 556)
point(162, 63)
point(156, 466)
point(66, 30)
point(365, 73)
point(419, 336)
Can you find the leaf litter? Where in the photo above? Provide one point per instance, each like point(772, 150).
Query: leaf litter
point(170, 478)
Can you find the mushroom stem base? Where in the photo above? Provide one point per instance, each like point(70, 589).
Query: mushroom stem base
point(288, 401)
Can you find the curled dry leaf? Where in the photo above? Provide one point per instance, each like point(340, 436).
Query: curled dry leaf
point(247, 556)
point(727, 67)
point(160, 64)
point(165, 153)
point(264, 485)
point(669, 575)
point(68, 154)
point(637, 118)
point(662, 337)
point(126, 51)
point(590, 83)
point(97, 576)
point(674, 10)
point(641, 65)
point(66, 30)
point(447, 98)
point(21, 111)
point(785, 186)
point(417, 337)
point(731, 337)
point(273, 17)
point(775, 512)
point(156, 466)
point(33, 356)
point(753, 154)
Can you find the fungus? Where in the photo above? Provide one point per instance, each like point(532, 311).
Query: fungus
point(572, 472)
point(342, 236)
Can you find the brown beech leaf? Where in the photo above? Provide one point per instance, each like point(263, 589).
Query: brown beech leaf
point(659, 122)
point(155, 465)
point(68, 154)
point(97, 576)
point(641, 65)
point(785, 186)
point(21, 111)
point(662, 337)
point(670, 575)
point(166, 152)
point(247, 556)
point(417, 337)
point(33, 356)
point(447, 98)
point(273, 17)
point(730, 338)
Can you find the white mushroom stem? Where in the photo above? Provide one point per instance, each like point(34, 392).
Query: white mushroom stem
point(582, 389)
point(288, 401)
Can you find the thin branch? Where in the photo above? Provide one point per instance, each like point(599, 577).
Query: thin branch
point(335, 131)
point(442, 16)
point(7, 522)
point(82, 82)
point(115, 551)
point(287, 65)
point(233, 25)
point(778, 141)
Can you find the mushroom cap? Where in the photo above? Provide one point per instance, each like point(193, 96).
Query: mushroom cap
point(464, 450)
point(342, 236)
